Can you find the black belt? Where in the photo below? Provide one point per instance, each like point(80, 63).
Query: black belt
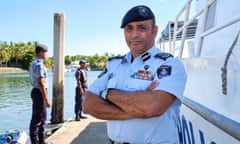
point(114, 142)
point(38, 88)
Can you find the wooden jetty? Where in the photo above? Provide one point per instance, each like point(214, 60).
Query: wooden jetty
point(86, 131)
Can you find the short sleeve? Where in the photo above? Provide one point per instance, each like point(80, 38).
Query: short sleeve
point(77, 74)
point(101, 82)
point(175, 81)
point(40, 72)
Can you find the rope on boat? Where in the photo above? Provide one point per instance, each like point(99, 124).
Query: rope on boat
point(224, 68)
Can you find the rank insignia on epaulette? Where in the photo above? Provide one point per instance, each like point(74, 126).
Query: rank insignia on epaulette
point(116, 57)
point(146, 56)
point(102, 73)
point(164, 70)
point(163, 56)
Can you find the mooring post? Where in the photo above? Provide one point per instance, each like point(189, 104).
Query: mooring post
point(58, 70)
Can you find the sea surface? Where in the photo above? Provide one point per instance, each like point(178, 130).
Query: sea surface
point(15, 99)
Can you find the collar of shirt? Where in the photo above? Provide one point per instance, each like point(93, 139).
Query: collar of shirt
point(39, 59)
point(144, 57)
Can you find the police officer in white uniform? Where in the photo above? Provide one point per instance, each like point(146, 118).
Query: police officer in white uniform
point(139, 93)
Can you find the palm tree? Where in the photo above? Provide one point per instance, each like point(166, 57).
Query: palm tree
point(4, 53)
point(18, 51)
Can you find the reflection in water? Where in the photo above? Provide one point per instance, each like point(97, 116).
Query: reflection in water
point(14, 90)
point(15, 103)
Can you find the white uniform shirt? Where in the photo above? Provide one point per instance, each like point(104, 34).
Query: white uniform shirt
point(37, 70)
point(120, 73)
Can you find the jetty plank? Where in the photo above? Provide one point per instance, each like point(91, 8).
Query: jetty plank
point(86, 131)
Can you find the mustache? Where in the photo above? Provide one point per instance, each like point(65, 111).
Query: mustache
point(136, 40)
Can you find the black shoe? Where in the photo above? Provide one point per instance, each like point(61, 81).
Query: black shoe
point(82, 117)
point(77, 118)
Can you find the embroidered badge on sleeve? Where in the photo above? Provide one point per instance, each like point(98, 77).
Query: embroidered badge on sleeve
point(163, 71)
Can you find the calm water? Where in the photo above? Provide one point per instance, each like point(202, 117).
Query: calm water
point(15, 100)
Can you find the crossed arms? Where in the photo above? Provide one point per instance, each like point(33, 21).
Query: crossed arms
point(122, 105)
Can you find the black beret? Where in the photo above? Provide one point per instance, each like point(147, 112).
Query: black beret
point(82, 62)
point(137, 13)
point(41, 47)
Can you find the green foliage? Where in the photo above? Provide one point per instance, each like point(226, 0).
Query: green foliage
point(22, 54)
point(67, 60)
point(95, 62)
point(5, 55)
point(28, 58)
point(17, 54)
point(48, 62)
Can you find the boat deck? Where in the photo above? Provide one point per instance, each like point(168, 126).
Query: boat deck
point(86, 131)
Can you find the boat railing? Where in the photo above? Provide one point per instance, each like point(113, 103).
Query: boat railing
point(185, 9)
point(226, 124)
point(201, 29)
point(217, 28)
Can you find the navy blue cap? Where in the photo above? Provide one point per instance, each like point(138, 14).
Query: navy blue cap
point(41, 47)
point(137, 13)
point(82, 62)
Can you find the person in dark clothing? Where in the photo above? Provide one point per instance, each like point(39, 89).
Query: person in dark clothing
point(81, 78)
point(38, 79)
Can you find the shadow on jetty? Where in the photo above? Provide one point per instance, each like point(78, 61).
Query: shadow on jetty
point(95, 132)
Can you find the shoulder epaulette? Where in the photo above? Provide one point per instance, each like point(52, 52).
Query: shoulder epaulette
point(116, 57)
point(163, 56)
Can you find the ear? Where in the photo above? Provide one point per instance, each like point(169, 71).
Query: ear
point(155, 31)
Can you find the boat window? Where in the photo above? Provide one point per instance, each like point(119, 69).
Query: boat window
point(211, 16)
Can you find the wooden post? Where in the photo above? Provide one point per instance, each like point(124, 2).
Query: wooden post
point(58, 70)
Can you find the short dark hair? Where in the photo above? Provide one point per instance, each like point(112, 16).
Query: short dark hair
point(41, 47)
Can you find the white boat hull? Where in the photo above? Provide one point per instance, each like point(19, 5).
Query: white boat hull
point(194, 129)
point(207, 115)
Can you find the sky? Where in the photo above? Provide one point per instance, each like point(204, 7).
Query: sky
point(91, 26)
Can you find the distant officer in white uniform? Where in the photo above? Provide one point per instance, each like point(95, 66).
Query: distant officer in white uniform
point(139, 93)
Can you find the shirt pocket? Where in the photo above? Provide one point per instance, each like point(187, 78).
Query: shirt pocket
point(137, 84)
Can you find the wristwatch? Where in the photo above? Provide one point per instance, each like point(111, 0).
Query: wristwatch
point(104, 94)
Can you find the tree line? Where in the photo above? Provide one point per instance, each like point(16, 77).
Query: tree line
point(22, 54)
point(95, 62)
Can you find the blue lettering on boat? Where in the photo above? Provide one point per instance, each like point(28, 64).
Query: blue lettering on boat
point(186, 133)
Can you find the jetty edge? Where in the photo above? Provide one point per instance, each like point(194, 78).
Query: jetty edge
point(86, 131)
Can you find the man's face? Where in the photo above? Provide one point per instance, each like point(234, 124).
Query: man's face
point(43, 54)
point(82, 65)
point(140, 36)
